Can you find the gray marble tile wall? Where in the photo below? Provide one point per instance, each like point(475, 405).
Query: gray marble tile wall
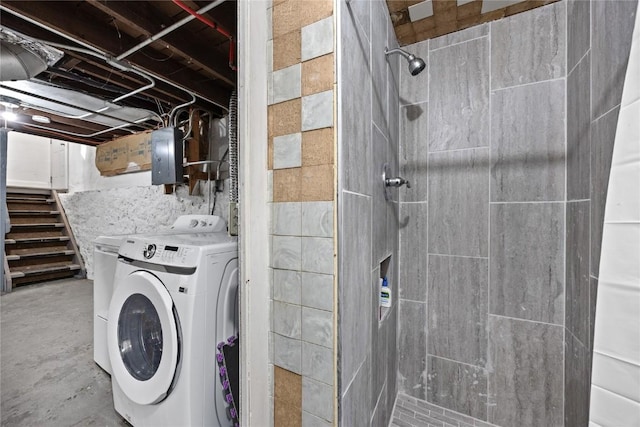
point(599, 39)
point(526, 380)
point(459, 95)
point(577, 387)
point(458, 188)
point(457, 334)
point(527, 261)
point(611, 29)
point(368, 125)
point(507, 140)
point(579, 130)
point(482, 238)
point(577, 270)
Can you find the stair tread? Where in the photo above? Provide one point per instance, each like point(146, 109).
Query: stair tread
point(39, 254)
point(44, 270)
point(29, 199)
point(36, 239)
point(27, 211)
point(39, 224)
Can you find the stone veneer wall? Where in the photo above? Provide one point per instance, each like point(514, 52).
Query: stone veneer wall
point(368, 225)
point(508, 140)
point(129, 210)
point(301, 146)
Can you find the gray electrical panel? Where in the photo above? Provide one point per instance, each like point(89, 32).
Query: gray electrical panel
point(166, 156)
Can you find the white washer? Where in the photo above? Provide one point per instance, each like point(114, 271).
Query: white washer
point(105, 255)
point(175, 298)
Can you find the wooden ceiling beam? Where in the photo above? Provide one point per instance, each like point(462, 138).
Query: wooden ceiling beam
point(67, 18)
point(148, 23)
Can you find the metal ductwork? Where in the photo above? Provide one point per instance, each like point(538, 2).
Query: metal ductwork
point(22, 58)
point(18, 63)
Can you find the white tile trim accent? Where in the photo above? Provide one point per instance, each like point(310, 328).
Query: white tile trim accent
point(421, 10)
point(491, 5)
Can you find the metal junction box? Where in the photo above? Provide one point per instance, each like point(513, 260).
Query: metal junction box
point(166, 156)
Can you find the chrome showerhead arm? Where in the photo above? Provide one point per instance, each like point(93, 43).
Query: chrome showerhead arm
point(400, 52)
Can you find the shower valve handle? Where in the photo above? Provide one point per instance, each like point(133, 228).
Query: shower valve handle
point(397, 182)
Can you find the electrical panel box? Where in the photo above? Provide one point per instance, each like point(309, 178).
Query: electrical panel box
point(166, 156)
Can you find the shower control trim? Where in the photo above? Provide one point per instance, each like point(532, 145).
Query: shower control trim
point(397, 182)
point(391, 182)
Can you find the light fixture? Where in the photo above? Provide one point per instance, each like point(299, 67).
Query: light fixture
point(40, 119)
point(9, 115)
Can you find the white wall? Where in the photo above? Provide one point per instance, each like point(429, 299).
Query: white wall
point(28, 161)
point(84, 176)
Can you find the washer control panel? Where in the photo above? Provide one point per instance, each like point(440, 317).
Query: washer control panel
point(173, 255)
point(159, 253)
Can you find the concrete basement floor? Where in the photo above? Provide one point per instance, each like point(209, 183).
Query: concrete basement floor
point(47, 373)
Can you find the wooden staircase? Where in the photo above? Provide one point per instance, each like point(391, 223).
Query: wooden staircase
point(40, 245)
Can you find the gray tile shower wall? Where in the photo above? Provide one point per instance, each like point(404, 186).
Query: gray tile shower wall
point(414, 121)
point(527, 261)
point(413, 267)
point(577, 271)
point(488, 169)
point(599, 43)
point(603, 134)
point(457, 308)
point(577, 367)
point(579, 130)
point(529, 47)
point(459, 95)
point(457, 386)
point(354, 289)
point(578, 31)
point(412, 348)
point(458, 188)
point(354, 142)
point(526, 379)
point(528, 144)
point(368, 122)
point(611, 29)
point(506, 138)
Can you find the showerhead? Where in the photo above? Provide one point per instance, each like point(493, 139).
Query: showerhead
point(416, 65)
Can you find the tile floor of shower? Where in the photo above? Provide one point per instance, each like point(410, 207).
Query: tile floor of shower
point(411, 412)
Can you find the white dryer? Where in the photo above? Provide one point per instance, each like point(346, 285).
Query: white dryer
point(105, 255)
point(175, 298)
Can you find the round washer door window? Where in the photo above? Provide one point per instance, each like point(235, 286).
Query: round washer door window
point(140, 337)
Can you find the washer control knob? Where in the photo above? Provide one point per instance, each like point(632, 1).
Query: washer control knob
point(149, 251)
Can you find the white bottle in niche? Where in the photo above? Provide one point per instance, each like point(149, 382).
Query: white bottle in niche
point(385, 294)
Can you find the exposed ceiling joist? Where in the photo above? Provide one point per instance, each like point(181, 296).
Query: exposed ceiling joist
point(149, 23)
point(73, 19)
point(191, 60)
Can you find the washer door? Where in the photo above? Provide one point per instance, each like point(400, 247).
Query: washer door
point(142, 338)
